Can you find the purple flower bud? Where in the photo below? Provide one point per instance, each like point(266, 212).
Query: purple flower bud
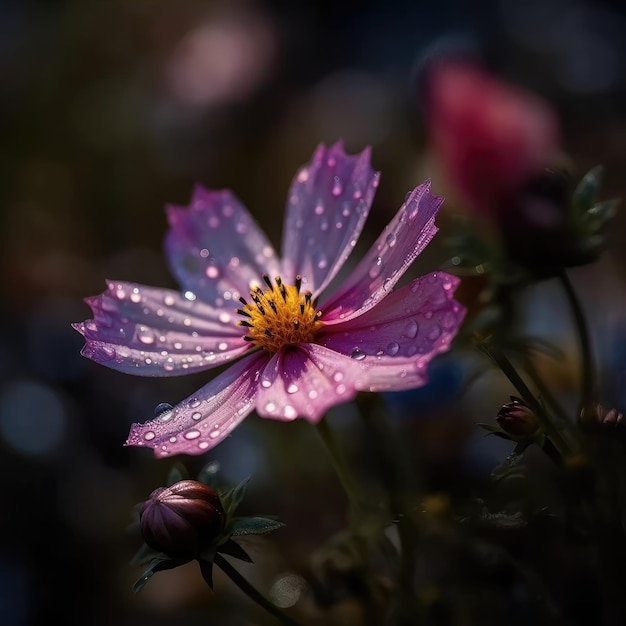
point(181, 520)
point(516, 419)
point(595, 417)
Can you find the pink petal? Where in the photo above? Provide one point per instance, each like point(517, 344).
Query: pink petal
point(216, 249)
point(396, 339)
point(201, 421)
point(158, 332)
point(403, 239)
point(305, 381)
point(328, 203)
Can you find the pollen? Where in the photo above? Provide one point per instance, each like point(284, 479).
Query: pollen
point(281, 315)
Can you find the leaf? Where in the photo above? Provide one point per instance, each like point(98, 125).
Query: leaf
point(254, 526)
point(510, 467)
point(177, 473)
point(157, 565)
point(209, 475)
point(586, 193)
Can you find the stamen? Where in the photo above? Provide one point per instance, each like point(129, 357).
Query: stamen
point(242, 312)
point(298, 283)
point(245, 323)
point(273, 305)
point(243, 301)
point(268, 282)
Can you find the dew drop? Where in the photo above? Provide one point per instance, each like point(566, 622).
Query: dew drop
point(337, 187)
point(172, 439)
point(391, 240)
point(196, 415)
point(377, 267)
point(149, 436)
point(319, 209)
point(204, 253)
point(341, 389)
point(212, 271)
point(292, 388)
point(289, 412)
point(192, 434)
point(266, 383)
point(193, 403)
point(434, 332)
point(190, 295)
point(358, 355)
point(270, 407)
point(411, 329)
point(135, 296)
point(313, 394)
point(222, 346)
point(303, 176)
point(168, 300)
point(393, 348)
point(178, 345)
point(214, 434)
point(146, 336)
point(224, 317)
point(203, 445)
point(162, 408)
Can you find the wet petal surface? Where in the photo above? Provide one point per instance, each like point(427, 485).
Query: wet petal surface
point(215, 248)
point(327, 205)
point(408, 233)
point(207, 417)
point(305, 381)
point(158, 332)
point(396, 339)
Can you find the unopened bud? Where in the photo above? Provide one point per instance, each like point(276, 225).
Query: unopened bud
point(182, 519)
point(515, 418)
point(595, 416)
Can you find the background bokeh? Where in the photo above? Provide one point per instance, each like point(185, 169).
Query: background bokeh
point(111, 109)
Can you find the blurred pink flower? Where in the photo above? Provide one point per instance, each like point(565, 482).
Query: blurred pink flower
point(489, 138)
point(299, 358)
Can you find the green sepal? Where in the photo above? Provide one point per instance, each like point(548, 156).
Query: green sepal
point(208, 475)
point(158, 564)
point(232, 498)
point(206, 569)
point(233, 549)
point(254, 526)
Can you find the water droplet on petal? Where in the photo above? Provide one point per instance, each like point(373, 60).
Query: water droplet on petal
point(391, 240)
point(212, 271)
point(194, 402)
point(290, 413)
point(192, 434)
point(149, 436)
point(214, 434)
point(135, 296)
point(319, 209)
point(168, 300)
point(196, 415)
point(377, 267)
point(434, 332)
point(270, 407)
point(292, 388)
point(358, 355)
point(303, 176)
point(411, 329)
point(393, 348)
point(337, 187)
point(162, 408)
point(145, 335)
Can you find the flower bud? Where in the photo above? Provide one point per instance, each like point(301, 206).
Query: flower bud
point(181, 520)
point(595, 417)
point(516, 419)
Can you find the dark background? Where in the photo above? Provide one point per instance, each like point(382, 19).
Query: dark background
point(111, 109)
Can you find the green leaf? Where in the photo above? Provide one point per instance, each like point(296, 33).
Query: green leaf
point(254, 526)
point(602, 212)
point(209, 475)
point(177, 473)
point(586, 193)
point(157, 565)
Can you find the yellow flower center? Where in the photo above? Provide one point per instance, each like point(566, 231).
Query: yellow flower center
point(279, 316)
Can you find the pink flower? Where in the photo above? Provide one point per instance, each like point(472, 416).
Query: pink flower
point(489, 138)
point(239, 299)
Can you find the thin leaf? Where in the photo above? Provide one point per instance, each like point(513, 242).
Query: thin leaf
point(254, 526)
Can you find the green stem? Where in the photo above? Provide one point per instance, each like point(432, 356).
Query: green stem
point(340, 465)
point(252, 592)
point(527, 395)
point(583, 339)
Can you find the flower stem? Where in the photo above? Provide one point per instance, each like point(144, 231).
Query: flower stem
point(252, 592)
point(340, 465)
point(586, 356)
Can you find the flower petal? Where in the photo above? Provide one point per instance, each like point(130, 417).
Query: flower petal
point(158, 332)
point(305, 381)
point(200, 422)
point(403, 239)
point(396, 339)
point(216, 249)
point(328, 204)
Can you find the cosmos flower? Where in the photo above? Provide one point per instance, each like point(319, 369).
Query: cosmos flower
point(299, 350)
point(490, 138)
